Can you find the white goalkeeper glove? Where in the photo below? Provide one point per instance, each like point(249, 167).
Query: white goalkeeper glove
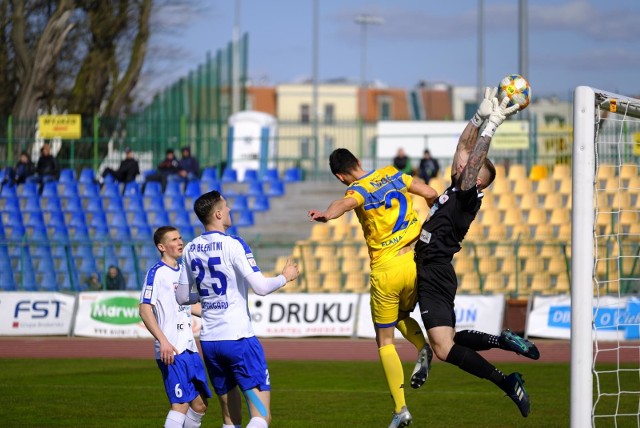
point(485, 108)
point(498, 115)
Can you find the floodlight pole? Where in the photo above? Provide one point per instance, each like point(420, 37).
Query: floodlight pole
point(363, 21)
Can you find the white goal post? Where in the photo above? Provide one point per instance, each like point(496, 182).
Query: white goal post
point(606, 138)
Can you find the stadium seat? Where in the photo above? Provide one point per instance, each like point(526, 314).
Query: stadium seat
point(87, 175)
point(270, 174)
point(260, 203)
point(7, 281)
point(192, 188)
point(112, 203)
point(293, 174)
point(29, 190)
point(132, 282)
point(538, 172)
point(174, 203)
point(255, 188)
point(276, 188)
point(49, 190)
point(153, 203)
point(110, 189)
point(208, 186)
point(137, 219)
point(31, 205)
point(153, 188)
point(9, 190)
point(209, 173)
point(243, 218)
point(157, 219)
point(89, 189)
point(67, 175)
point(173, 188)
point(132, 188)
point(229, 175)
point(238, 202)
point(93, 205)
point(250, 175)
point(133, 203)
point(120, 232)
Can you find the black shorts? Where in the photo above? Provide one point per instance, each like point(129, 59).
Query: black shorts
point(437, 285)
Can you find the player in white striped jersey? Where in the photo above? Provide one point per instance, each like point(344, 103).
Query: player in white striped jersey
point(183, 374)
point(222, 268)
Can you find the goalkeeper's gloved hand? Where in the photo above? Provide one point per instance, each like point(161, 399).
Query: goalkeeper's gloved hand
point(485, 108)
point(498, 115)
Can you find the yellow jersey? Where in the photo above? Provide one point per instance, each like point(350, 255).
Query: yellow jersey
point(385, 211)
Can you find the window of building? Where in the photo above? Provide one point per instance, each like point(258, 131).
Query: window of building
point(329, 114)
point(305, 147)
point(384, 108)
point(304, 113)
point(328, 143)
point(470, 109)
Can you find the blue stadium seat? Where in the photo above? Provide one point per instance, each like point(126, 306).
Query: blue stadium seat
point(192, 188)
point(232, 231)
point(148, 251)
point(67, 176)
point(76, 219)
point(133, 203)
point(87, 175)
point(59, 234)
point(80, 232)
point(120, 232)
point(9, 203)
point(243, 218)
point(116, 219)
point(255, 189)
point(132, 282)
point(50, 190)
point(51, 204)
point(260, 203)
point(173, 188)
point(174, 203)
point(68, 190)
point(270, 174)
point(276, 188)
point(29, 190)
point(209, 173)
point(72, 204)
point(132, 188)
point(137, 218)
point(30, 204)
point(153, 203)
point(112, 203)
point(98, 220)
point(89, 189)
point(229, 175)
point(9, 190)
point(93, 205)
point(141, 232)
point(158, 218)
point(209, 185)
point(99, 233)
point(153, 188)
point(110, 189)
point(293, 174)
point(238, 202)
point(250, 175)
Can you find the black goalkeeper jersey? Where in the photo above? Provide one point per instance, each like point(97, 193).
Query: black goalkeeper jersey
point(447, 225)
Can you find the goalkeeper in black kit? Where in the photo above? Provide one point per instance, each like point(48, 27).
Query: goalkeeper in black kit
point(441, 237)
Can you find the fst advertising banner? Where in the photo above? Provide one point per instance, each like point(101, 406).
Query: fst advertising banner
point(484, 313)
point(109, 314)
point(302, 315)
point(36, 314)
point(615, 318)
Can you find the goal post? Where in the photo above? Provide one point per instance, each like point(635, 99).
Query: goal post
point(605, 262)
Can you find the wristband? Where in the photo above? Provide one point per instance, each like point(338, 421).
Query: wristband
point(476, 120)
point(489, 130)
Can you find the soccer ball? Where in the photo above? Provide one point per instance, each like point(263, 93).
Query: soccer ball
point(517, 89)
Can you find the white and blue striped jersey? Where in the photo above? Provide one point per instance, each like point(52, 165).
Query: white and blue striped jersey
point(218, 265)
point(175, 320)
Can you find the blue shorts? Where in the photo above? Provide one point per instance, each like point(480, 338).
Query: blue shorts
point(185, 379)
point(236, 362)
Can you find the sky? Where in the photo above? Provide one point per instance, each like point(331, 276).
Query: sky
point(571, 42)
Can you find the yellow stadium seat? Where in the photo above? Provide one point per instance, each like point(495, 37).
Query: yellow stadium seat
point(522, 186)
point(501, 186)
point(464, 264)
point(508, 264)
point(537, 216)
point(356, 282)
point(342, 231)
point(487, 265)
point(438, 184)
point(320, 232)
point(501, 171)
point(520, 231)
point(606, 171)
point(560, 216)
point(469, 283)
point(561, 171)
point(562, 284)
point(543, 231)
point(497, 232)
point(557, 265)
point(351, 265)
point(495, 282)
point(476, 232)
point(506, 201)
point(332, 281)
point(446, 172)
point(565, 186)
point(621, 201)
point(512, 216)
point(517, 171)
point(538, 172)
point(541, 282)
point(528, 201)
point(553, 200)
point(629, 171)
point(546, 185)
point(490, 216)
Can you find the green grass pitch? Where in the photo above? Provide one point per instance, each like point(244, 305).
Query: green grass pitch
point(129, 393)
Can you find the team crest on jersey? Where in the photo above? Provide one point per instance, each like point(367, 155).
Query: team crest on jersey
point(147, 292)
point(252, 261)
point(443, 198)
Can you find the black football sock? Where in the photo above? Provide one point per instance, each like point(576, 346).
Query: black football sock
point(476, 340)
point(471, 362)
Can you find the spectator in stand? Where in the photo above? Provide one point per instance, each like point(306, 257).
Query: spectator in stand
point(114, 279)
point(128, 169)
point(169, 166)
point(188, 165)
point(93, 282)
point(47, 166)
point(429, 167)
point(23, 170)
point(402, 162)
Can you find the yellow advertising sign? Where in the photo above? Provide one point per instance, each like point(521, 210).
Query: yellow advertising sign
point(511, 135)
point(65, 126)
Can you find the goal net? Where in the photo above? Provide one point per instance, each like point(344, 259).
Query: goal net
point(605, 268)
